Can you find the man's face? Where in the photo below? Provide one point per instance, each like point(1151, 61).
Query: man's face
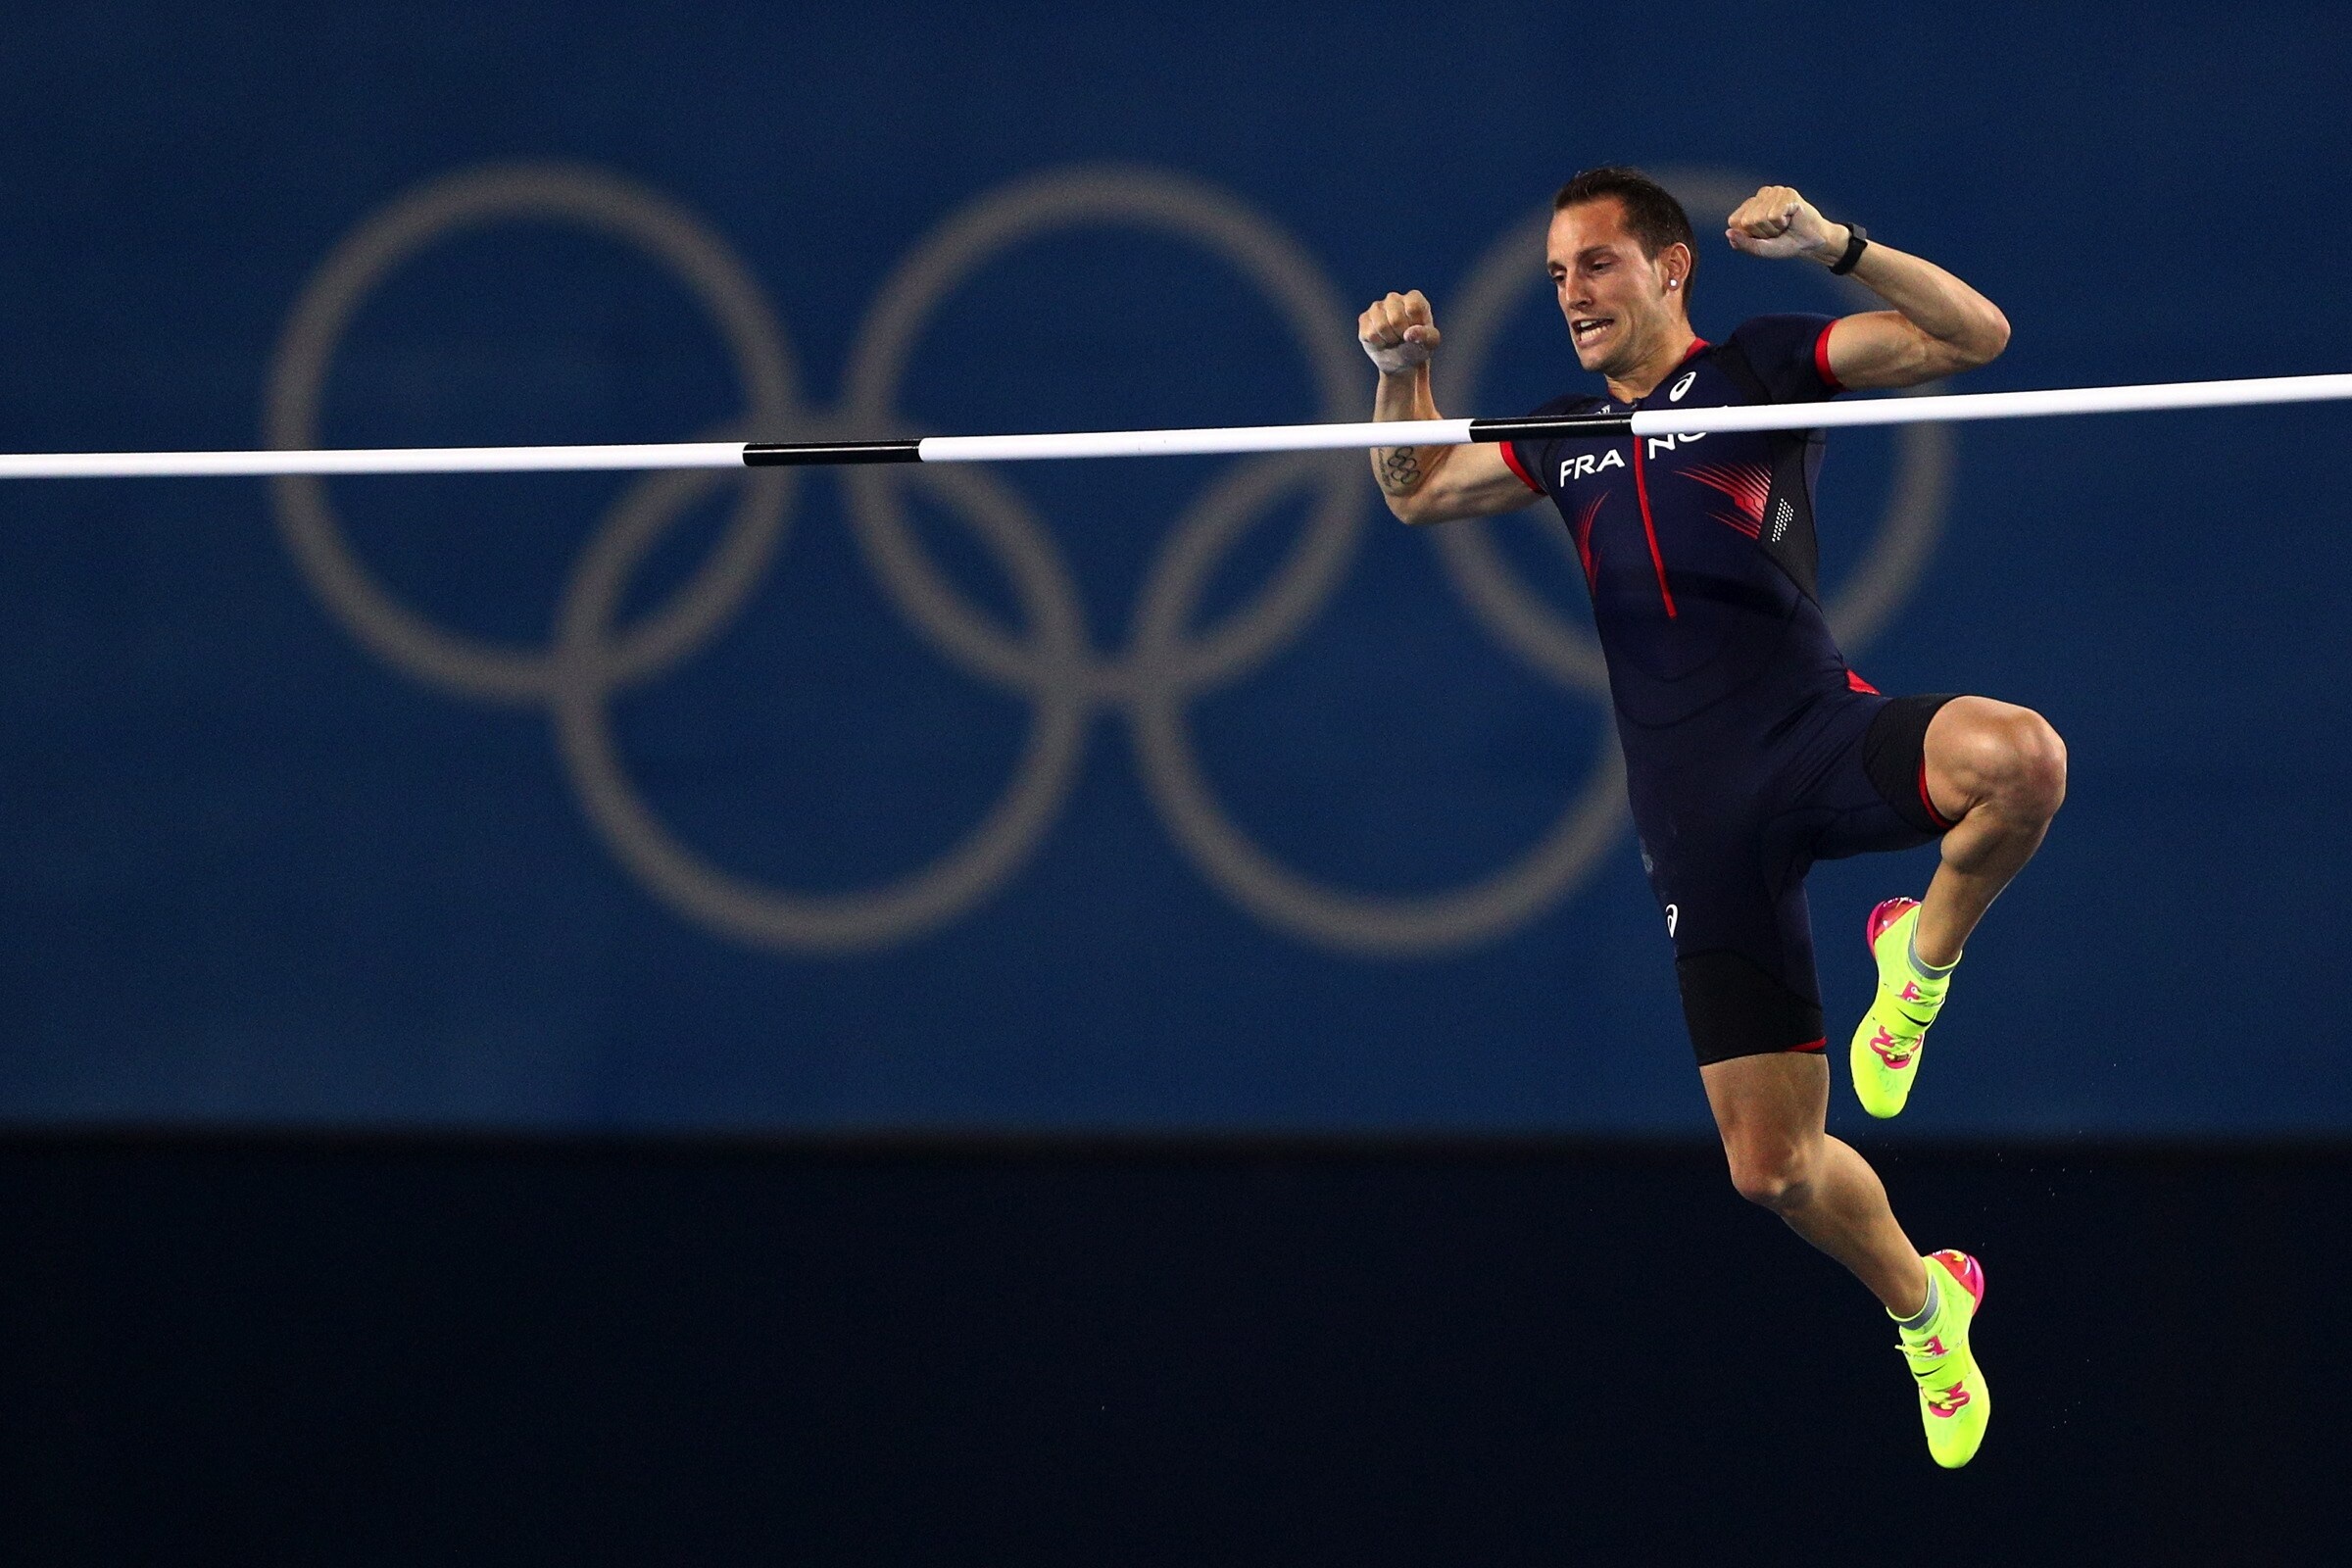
point(1616, 300)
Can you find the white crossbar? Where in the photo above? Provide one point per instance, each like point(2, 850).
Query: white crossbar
point(2171, 395)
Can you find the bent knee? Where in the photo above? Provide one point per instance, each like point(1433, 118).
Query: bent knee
point(2037, 773)
point(2021, 762)
point(1770, 1175)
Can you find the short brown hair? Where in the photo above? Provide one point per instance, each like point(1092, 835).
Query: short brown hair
point(1651, 214)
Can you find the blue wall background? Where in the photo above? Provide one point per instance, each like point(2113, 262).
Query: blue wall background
point(271, 859)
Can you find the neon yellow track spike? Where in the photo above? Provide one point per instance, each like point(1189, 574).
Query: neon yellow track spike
point(1954, 1401)
point(1884, 1056)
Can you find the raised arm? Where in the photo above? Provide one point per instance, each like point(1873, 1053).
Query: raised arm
point(1938, 326)
point(1426, 485)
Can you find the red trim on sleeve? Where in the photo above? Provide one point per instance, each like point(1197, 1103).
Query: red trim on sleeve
point(1934, 816)
point(1855, 683)
point(1821, 360)
point(1511, 460)
point(1822, 1044)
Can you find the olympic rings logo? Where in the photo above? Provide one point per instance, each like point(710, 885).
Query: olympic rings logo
point(1049, 658)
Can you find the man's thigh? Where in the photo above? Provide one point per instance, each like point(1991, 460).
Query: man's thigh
point(1777, 1099)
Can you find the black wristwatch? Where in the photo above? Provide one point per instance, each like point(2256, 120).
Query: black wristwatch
point(1857, 241)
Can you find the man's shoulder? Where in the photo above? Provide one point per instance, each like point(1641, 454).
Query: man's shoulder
point(1783, 335)
point(1541, 450)
point(1569, 403)
point(1781, 323)
point(1782, 358)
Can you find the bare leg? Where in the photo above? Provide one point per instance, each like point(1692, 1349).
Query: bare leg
point(1999, 772)
point(1773, 1111)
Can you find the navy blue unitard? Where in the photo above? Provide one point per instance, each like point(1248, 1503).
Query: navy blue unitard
point(1752, 749)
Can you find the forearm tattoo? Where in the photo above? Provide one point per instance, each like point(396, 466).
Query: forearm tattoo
point(1399, 469)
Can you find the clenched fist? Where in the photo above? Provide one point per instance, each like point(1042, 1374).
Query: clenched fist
point(1397, 333)
point(1776, 223)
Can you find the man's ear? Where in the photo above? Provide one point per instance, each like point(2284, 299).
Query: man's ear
point(1676, 260)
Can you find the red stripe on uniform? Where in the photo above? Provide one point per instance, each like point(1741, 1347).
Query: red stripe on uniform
point(1934, 816)
point(1822, 1044)
point(1641, 492)
point(1510, 461)
point(1821, 360)
point(1855, 683)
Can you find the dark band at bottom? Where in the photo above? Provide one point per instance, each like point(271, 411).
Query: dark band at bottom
point(1895, 756)
point(1734, 1008)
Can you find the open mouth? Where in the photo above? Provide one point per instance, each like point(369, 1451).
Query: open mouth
point(1591, 327)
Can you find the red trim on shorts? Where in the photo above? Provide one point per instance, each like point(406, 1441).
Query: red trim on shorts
point(1821, 360)
point(1934, 816)
point(1510, 461)
point(1641, 491)
point(1822, 1044)
point(1855, 683)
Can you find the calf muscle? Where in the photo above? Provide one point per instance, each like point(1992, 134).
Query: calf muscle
point(1773, 1113)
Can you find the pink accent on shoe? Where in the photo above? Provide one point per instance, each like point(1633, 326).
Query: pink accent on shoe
point(1910, 992)
point(1967, 1270)
point(1953, 1399)
point(1886, 914)
point(1895, 1059)
point(1934, 1346)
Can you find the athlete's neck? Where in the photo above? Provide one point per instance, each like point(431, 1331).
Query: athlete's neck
point(1637, 383)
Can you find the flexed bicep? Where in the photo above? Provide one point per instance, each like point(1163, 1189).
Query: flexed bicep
point(1881, 349)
